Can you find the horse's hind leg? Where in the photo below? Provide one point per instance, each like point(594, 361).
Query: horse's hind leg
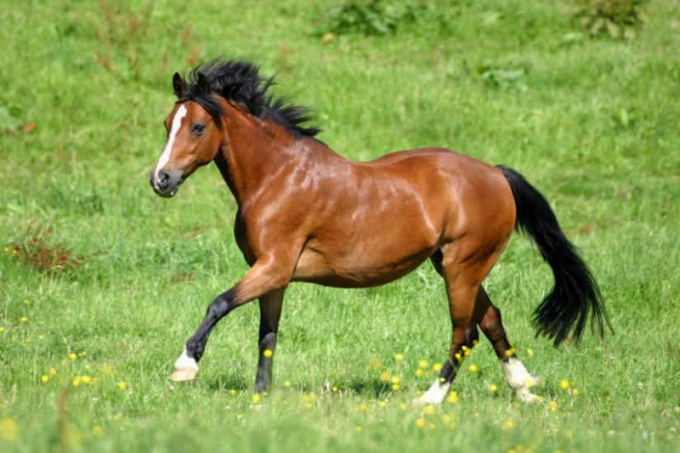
point(270, 313)
point(491, 324)
point(463, 282)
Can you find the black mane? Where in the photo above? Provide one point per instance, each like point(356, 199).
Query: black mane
point(240, 82)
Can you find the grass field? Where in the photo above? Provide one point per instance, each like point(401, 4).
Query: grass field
point(86, 347)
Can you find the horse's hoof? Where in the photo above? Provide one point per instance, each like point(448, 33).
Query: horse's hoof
point(525, 396)
point(184, 374)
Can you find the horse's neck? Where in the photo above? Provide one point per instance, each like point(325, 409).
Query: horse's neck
point(256, 151)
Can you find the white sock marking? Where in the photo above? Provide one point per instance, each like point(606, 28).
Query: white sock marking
point(167, 151)
point(185, 361)
point(436, 393)
point(519, 379)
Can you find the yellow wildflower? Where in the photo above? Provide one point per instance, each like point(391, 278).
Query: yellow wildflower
point(335, 389)
point(97, 430)
point(553, 406)
point(384, 376)
point(287, 384)
point(423, 364)
point(53, 372)
point(382, 404)
point(9, 430)
point(510, 424)
point(493, 388)
point(429, 410)
point(398, 357)
point(396, 380)
point(76, 382)
point(473, 368)
point(420, 372)
point(268, 353)
point(5, 249)
point(510, 352)
point(574, 392)
point(122, 385)
point(86, 379)
point(232, 392)
point(23, 319)
point(437, 367)
point(256, 398)
point(395, 387)
point(2, 329)
point(359, 428)
point(564, 384)
point(73, 356)
point(107, 369)
point(530, 352)
point(452, 398)
point(362, 408)
point(420, 423)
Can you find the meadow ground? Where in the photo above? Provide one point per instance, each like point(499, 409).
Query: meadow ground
point(86, 348)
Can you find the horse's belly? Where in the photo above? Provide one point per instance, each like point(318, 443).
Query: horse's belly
point(354, 271)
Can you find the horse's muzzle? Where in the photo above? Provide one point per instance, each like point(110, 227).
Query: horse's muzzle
point(165, 183)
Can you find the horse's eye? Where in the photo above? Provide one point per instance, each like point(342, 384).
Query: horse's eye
point(197, 128)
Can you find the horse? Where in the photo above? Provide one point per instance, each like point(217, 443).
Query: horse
point(307, 214)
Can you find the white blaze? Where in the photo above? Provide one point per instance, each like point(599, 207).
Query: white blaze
point(176, 124)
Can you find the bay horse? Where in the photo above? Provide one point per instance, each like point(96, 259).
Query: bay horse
point(306, 214)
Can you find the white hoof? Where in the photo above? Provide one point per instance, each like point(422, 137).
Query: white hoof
point(184, 374)
point(435, 394)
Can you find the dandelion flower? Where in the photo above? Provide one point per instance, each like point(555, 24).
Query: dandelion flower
point(421, 422)
point(530, 352)
point(359, 428)
point(473, 368)
point(122, 385)
point(23, 319)
point(429, 410)
point(493, 388)
point(97, 430)
point(362, 408)
point(335, 389)
point(553, 406)
point(256, 398)
point(107, 369)
point(232, 392)
point(510, 352)
point(287, 384)
point(395, 380)
point(452, 398)
point(574, 392)
point(510, 424)
point(395, 387)
point(384, 376)
point(2, 329)
point(268, 353)
point(398, 357)
point(423, 364)
point(76, 381)
point(564, 384)
point(437, 367)
point(44, 378)
point(5, 249)
point(73, 356)
point(53, 372)
point(382, 404)
point(9, 430)
point(420, 372)
point(86, 379)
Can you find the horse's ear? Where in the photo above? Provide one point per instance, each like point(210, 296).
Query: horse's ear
point(202, 82)
point(179, 85)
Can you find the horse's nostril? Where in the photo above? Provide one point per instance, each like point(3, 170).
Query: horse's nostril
point(162, 179)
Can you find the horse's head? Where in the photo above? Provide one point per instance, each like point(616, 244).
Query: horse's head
point(194, 137)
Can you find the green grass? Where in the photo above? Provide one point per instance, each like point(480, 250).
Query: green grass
point(592, 123)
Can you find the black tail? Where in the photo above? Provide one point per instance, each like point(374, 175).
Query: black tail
point(575, 293)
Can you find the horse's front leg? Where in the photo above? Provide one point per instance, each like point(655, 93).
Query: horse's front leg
point(270, 313)
point(267, 274)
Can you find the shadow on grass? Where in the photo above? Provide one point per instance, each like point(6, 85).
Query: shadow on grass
point(226, 383)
